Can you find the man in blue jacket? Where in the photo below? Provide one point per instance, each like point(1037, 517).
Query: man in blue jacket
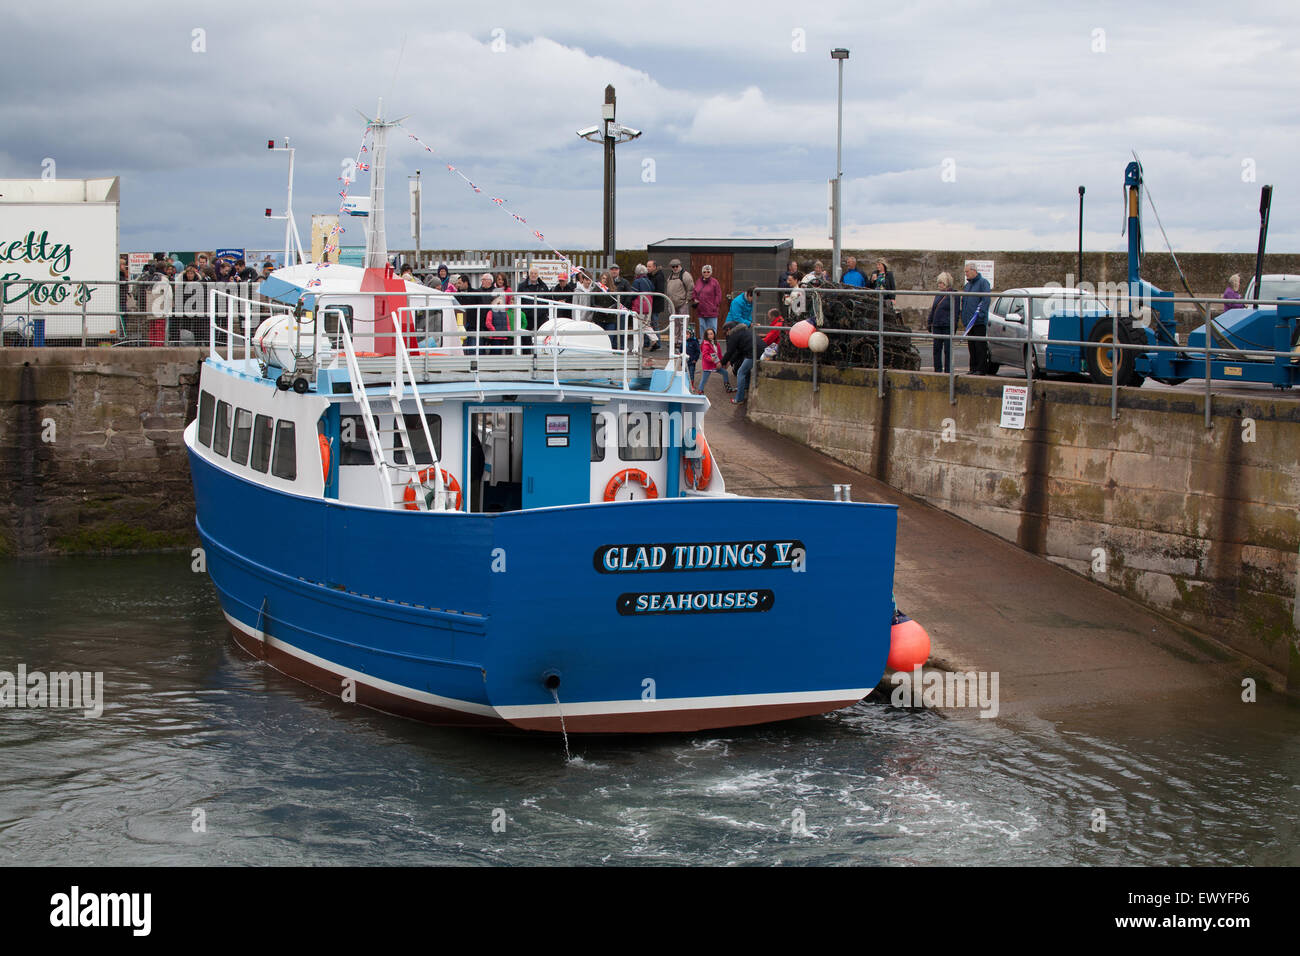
point(975, 317)
point(742, 308)
point(852, 274)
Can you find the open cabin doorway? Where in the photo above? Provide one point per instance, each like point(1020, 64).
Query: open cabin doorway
point(496, 452)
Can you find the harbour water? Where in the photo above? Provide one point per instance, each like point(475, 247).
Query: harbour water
point(204, 756)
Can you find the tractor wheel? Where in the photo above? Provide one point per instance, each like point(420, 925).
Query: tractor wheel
point(1134, 336)
point(1100, 358)
point(1171, 381)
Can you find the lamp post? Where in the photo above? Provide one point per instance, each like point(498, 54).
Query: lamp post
point(417, 209)
point(839, 55)
point(609, 133)
point(1079, 280)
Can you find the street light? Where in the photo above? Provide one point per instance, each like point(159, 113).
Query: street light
point(417, 212)
point(610, 133)
point(839, 54)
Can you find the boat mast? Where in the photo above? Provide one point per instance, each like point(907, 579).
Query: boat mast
point(376, 236)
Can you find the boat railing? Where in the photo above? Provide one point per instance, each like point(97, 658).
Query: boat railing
point(227, 312)
point(470, 350)
point(433, 350)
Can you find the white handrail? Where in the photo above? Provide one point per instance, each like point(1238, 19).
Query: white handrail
point(398, 391)
point(359, 393)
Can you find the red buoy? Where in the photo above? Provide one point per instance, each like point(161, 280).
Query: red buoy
point(909, 645)
point(799, 333)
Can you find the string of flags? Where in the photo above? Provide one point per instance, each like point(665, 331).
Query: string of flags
point(500, 203)
point(335, 237)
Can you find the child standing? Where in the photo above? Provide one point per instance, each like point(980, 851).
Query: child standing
point(692, 355)
point(711, 359)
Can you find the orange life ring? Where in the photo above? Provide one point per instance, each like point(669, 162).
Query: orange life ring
point(630, 474)
point(324, 456)
point(695, 480)
point(411, 497)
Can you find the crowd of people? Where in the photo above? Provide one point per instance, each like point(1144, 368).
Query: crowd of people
point(632, 312)
point(167, 289)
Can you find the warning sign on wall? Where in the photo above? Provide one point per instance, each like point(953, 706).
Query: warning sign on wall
point(1014, 400)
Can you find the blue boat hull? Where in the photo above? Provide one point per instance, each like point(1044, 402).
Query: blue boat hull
point(638, 616)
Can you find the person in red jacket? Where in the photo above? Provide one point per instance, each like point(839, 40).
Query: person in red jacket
point(707, 298)
point(773, 339)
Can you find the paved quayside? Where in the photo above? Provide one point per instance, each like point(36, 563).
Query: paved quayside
point(1057, 640)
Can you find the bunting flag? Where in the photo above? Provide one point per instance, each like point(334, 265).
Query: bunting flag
point(331, 246)
point(501, 204)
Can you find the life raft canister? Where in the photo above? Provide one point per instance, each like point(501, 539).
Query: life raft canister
point(324, 457)
point(412, 497)
point(698, 472)
point(630, 474)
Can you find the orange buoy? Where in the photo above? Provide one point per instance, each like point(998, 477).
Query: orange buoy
point(909, 645)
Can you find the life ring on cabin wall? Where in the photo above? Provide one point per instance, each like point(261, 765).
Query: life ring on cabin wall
point(324, 457)
point(698, 472)
point(630, 474)
point(412, 497)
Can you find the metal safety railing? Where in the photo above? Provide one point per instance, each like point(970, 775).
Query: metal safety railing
point(1136, 311)
point(143, 312)
point(436, 338)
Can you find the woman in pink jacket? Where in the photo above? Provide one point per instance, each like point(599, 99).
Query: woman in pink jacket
point(707, 298)
point(711, 360)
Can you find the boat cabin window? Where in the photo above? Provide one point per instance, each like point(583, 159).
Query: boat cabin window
point(262, 443)
point(598, 436)
point(206, 404)
point(426, 321)
point(221, 429)
point(640, 436)
point(243, 437)
point(419, 446)
point(332, 313)
point(355, 445)
point(284, 463)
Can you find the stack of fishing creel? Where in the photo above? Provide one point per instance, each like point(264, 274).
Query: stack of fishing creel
point(860, 310)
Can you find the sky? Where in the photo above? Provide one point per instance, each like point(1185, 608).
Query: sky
point(967, 125)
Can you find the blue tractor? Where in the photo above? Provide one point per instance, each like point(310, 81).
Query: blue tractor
point(1274, 328)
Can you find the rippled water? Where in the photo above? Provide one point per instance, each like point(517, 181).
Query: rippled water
point(285, 775)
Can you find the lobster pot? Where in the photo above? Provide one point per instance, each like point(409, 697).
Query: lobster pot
point(861, 312)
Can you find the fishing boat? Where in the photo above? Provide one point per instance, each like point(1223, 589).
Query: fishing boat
point(524, 529)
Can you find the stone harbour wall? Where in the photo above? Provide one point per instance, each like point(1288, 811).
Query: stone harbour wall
point(1199, 524)
point(91, 454)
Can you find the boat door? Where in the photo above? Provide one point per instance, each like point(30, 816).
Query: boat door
point(557, 454)
point(495, 458)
